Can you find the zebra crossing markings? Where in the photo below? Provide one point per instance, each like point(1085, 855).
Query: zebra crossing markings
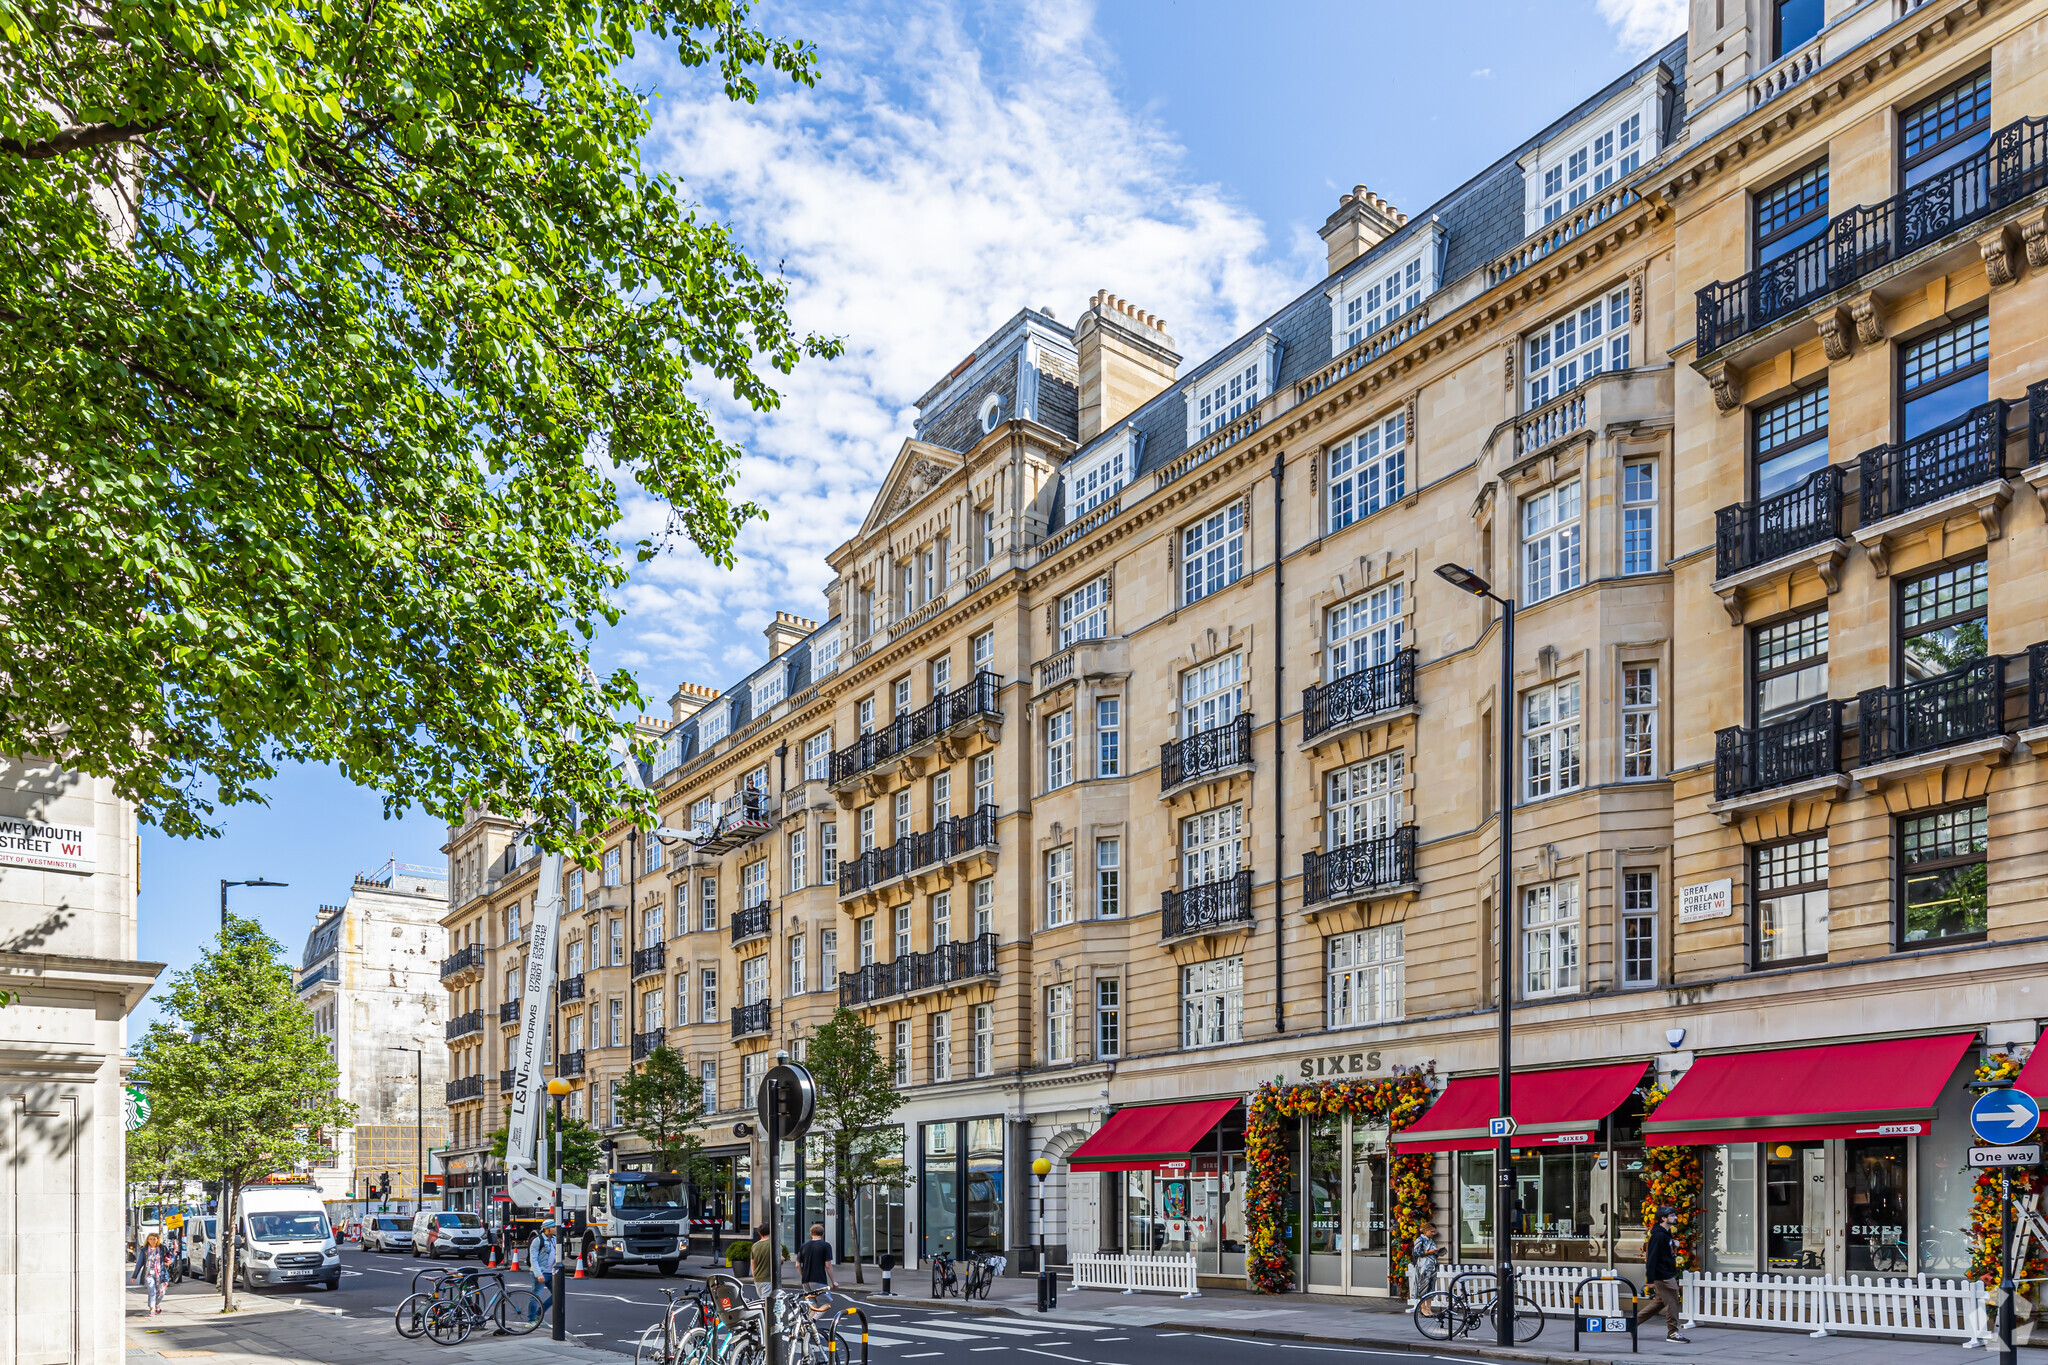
point(1001, 1329)
point(966, 1335)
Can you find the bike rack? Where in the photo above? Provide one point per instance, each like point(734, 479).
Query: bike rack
point(834, 1347)
point(1600, 1323)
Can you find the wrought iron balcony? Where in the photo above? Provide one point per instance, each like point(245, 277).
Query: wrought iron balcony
point(1903, 475)
point(645, 1043)
point(570, 988)
point(945, 841)
point(2037, 685)
point(1222, 904)
point(751, 921)
point(1806, 514)
point(508, 1012)
point(2037, 422)
point(1764, 757)
point(981, 697)
point(1205, 754)
point(469, 959)
point(1869, 236)
point(1955, 708)
point(1359, 869)
point(875, 981)
point(463, 1088)
point(462, 1025)
point(569, 1064)
point(942, 966)
point(648, 961)
point(1356, 696)
point(748, 1020)
point(508, 1078)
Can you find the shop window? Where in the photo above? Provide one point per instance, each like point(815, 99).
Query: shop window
point(1943, 876)
point(1212, 1002)
point(1550, 938)
point(1791, 884)
point(1366, 976)
point(1362, 632)
point(1551, 543)
point(1368, 472)
point(1942, 618)
point(1211, 695)
point(1792, 212)
point(1943, 375)
point(1551, 740)
point(1788, 666)
point(1945, 129)
point(1638, 929)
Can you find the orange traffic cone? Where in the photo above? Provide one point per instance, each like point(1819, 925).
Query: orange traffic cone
point(512, 1262)
point(579, 1265)
point(491, 1262)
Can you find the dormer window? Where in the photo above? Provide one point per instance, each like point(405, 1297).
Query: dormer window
point(1592, 156)
point(713, 724)
point(825, 654)
point(991, 411)
point(767, 692)
point(1232, 389)
point(1385, 290)
point(1095, 478)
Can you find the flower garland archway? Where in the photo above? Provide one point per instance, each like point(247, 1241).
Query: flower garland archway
point(1673, 1177)
point(1987, 1244)
point(1396, 1101)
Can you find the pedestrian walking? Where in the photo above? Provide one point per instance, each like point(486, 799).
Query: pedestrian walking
point(1425, 1251)
point(152, 1270)
point(815, 1260)
point(763, 1257)
point(545, 1257)
point(1660, 1273)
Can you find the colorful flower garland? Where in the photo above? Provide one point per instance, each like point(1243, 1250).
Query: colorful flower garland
point(1397, 1102)
point(1673, 1175)
point(1987, 1244)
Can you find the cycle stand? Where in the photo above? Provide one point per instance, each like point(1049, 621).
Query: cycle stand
point(1600, 1323)
point(863, 1334)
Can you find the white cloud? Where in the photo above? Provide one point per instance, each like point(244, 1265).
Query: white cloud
point(1643, 26)
point(1484, 73)
point(923, 193)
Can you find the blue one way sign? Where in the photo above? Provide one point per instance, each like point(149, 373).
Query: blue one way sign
point(2004, 1116)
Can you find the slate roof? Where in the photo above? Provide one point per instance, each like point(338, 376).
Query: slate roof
point(1482, 219)
point(795, 663)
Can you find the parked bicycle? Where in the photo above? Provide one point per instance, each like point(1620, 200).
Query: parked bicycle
point(410, 1317)
point(1471, 1300)
point(479, 1298)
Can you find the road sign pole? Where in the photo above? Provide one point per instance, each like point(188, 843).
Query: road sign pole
point(2007, 1353)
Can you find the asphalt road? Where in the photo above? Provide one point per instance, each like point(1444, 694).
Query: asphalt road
point(611, 1313)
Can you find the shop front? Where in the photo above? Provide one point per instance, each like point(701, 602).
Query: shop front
point(1844, 1158)
point(721, 1209)
point(1173, 1181)
point(960, 1187)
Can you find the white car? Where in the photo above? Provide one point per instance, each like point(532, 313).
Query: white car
point(437, 1233)
point(387, 1232)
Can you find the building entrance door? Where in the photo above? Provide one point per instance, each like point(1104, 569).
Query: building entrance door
point(1345, 1205)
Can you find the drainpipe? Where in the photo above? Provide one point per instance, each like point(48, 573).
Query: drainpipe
point(1279, 751)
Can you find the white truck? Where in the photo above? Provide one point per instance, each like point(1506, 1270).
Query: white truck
point(282, 1236)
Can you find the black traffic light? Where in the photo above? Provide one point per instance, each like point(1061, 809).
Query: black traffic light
point(384, 1185)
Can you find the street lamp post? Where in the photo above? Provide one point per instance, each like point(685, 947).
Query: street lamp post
point(1503, 1159)
point(557, 1087)
point(225, 884)
point(1042, 1168)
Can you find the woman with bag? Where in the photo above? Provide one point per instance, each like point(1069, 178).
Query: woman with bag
point(152, 1271)
point(1425, 1251)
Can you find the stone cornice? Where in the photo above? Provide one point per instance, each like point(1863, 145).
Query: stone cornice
point(34, 972)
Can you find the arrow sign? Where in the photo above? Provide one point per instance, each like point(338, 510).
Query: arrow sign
point(1500, 1127)
point(2003, 1117)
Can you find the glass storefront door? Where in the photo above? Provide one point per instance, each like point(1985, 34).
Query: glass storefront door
point(1795, 1206)
point(1323, 1141)
point(939, 1201)
point(1828, 1207)
point(1874, 1180)
point(1368, 1211)
point(961, 1200)
point(1344, 1208)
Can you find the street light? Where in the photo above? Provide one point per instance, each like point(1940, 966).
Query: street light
point(1043, 1168)
point(225, 884)
point(557, 1087)
point(1465, 580)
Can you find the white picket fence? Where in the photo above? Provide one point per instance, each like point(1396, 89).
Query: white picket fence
point(1136, 1273)
point(1821, 1305)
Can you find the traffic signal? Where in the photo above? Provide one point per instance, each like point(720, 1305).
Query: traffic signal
point(384, 1185)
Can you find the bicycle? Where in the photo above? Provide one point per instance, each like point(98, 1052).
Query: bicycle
point(982, 1270)
point(668, 1345)
point(944, 1280)
point(1446, 1314)
point(410, 1317)
point(510, 1312)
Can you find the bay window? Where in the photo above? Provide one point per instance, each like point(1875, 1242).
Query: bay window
point(1551, 544)
point(1550, 938)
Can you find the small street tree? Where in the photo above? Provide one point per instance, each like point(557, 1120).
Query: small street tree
point(857, 1097)
point(580, 1152)
point(664, 1103)
point(160, 1158)
point(238, 1070)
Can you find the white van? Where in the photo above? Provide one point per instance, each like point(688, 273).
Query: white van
point(283, 1237)
point(440, 1232)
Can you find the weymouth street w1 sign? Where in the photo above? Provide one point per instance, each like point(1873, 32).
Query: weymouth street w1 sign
point(51, 847)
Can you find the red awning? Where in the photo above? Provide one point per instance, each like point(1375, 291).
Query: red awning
point(1801, 1094)
point(1551, 1108)
point(1141, 1137)
point(2033, 1077)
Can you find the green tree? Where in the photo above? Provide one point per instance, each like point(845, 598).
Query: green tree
point(160, 1157)
point(580, 1153)
point(237, 1067)
point(857, 1097)
point(328, 338)
point(663, 1103)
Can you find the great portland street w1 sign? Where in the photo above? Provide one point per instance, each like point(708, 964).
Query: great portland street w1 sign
point(51, 847)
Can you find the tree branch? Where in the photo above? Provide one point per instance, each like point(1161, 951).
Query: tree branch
point(78, 137)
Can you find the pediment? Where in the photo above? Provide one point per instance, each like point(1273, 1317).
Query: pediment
point(918, 470)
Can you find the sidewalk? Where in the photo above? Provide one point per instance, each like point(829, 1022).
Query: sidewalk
point(269, 1331)
point(1385, 1324)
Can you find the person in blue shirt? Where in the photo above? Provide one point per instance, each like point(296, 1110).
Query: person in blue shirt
point(544, 1256)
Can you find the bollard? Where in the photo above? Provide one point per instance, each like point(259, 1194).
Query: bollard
point(863, 1332)
point(1600, 1322)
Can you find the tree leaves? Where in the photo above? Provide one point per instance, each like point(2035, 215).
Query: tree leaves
point(327, 335)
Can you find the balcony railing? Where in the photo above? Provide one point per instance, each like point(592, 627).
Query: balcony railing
point(1954, 708)
point(1557, 233)
point(508, 1011)
point(1359, 869)
point(463, 1088)
point(947, 840)
point(1806, 514)
point(1222, 904)
point(508, 1078)
point(326, 971)
point(982, 696)
point(1807, 745)
point(467, 959)
point(942, 966)
point(1862, 239)
point(648, 961)
point(1901, 476)
point(751, 921)
point(1211, 751)
point(1562, 416)
point(569, 1064)
point(1355, 696)
point(2037, 422)
point(462, 1025)
point(571, 988)
point(645, 1043)
point(748, 1020)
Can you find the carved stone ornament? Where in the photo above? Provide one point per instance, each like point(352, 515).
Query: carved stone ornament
point(2034, 236)
point(1724, 382)
point(1869, 319)
point(1996, 249)
point(924, 475)
point(1835, 327)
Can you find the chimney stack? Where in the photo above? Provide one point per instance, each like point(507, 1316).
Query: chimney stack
point(689, 699)
point(784, 631)
point(1126, 357)
point(1362, 221)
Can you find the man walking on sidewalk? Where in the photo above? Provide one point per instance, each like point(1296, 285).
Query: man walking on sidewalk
point(1660, 1274)
point(763, 1257)
point(815, 1257)
point(543, 1259)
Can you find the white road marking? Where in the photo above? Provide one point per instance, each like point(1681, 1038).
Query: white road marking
point(1054, 1354)
point(380, 1270)
point(988, 1348)
point(999, 1328)
point(966, 1335)
point(920, 1355)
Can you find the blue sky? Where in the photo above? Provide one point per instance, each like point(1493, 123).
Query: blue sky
point(960, 161)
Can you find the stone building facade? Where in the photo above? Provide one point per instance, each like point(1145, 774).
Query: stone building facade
point(1143, 757)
